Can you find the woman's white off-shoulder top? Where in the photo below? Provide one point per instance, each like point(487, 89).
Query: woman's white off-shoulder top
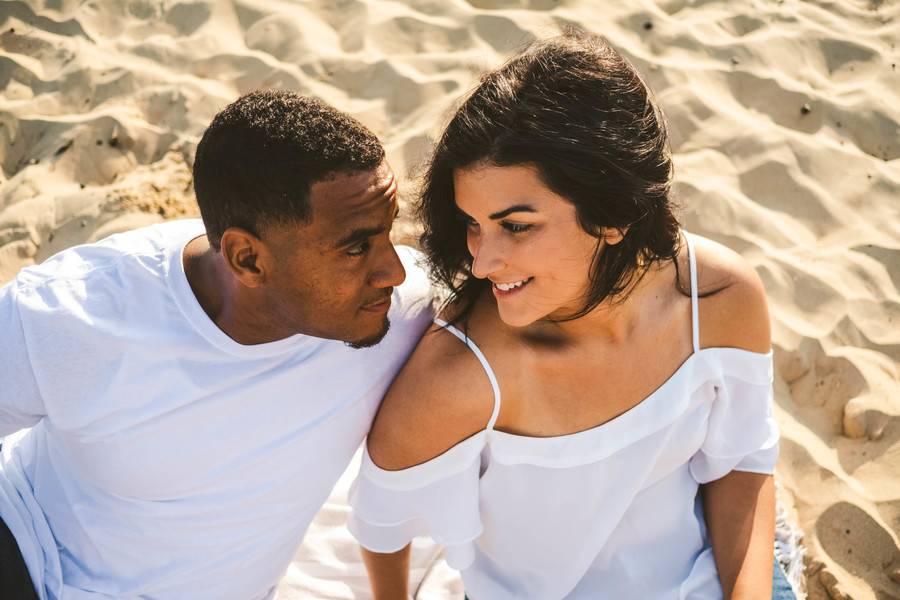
point(609, 512)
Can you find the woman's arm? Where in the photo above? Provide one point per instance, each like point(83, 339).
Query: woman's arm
point(740, 507)
point(740, 516)
point(388, 574)
point(440, 398)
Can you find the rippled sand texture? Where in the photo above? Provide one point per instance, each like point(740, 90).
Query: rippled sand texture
point(784, 120)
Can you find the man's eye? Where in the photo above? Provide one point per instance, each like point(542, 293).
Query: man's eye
point(516, 227)
point(359, 249)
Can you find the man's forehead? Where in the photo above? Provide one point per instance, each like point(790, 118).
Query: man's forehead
point(352, 192)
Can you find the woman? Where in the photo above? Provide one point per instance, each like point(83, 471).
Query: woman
point(591, 416)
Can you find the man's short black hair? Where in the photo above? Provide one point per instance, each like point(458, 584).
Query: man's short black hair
point(259, 157)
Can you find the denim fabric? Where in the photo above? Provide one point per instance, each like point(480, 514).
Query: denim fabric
point(781, 589)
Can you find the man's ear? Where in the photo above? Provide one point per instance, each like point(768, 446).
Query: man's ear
point(241, 251)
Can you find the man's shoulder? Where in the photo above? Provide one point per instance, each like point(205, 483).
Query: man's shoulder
point(117, 268)
point(81, 261)
point(416, 295)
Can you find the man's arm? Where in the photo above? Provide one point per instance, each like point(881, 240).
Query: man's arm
point(20, 400)
point(740, 515)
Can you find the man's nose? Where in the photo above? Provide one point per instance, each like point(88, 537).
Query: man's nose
point(389, 272)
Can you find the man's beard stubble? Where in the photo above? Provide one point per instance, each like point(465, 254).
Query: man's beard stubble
point(371, 340)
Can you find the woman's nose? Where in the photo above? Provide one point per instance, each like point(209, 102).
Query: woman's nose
point(486, 257)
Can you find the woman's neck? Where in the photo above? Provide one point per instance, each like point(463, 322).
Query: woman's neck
point(613, 321)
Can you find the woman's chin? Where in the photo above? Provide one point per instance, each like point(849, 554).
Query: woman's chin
point(517, 318)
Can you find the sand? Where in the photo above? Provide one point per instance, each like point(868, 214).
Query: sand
point(785, 124)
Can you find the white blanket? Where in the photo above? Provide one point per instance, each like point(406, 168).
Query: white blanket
point(329, 567)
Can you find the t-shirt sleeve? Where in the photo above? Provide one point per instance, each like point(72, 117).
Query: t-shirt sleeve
point(21, 405)
point(438, 499)
point(742, 434)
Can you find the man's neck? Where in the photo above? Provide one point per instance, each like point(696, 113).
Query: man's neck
point(223, 299)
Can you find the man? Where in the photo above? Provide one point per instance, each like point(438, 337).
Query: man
point(190, 392)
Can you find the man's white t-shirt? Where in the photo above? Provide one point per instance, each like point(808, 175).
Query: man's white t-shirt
point(160, 458)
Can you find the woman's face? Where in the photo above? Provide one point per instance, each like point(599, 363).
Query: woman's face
point(526, 240)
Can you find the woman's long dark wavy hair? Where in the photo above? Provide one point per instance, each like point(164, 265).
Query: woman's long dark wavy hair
point(578, 112)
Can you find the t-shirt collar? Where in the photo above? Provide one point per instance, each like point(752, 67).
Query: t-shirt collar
point(193, 312)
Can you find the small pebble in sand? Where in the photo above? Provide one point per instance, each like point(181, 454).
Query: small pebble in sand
point(895, 574)
point(806, 109)
point(81, 185)
point(648, 25)
point(855, 420)
point(113, 141)
point(735, 60)
point(63, 148)
point(99, 142)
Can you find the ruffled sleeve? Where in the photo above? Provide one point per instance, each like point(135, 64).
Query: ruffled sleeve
point(742, 434)
point(438, 498)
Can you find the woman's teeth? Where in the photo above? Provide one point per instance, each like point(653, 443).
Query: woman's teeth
point(505, 287)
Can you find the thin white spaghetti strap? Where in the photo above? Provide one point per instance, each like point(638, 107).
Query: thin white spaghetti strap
point(484, 363)
point(695, 318)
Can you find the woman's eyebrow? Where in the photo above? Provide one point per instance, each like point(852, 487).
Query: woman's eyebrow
point(512, 209)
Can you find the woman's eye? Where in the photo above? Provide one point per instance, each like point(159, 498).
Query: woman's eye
point(470, 223)
point(359, 249)
point(516, 227)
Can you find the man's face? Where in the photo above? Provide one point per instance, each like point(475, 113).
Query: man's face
point(334, 275)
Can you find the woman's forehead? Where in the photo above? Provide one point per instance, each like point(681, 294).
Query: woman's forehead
point(493, 189)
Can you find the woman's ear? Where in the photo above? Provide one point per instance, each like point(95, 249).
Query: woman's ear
point(613, 235)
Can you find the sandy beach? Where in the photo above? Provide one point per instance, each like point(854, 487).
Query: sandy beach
point(784, 120)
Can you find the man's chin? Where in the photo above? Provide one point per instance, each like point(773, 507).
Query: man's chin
point(372, 340)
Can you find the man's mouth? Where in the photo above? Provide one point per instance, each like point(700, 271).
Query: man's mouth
point(377, 306)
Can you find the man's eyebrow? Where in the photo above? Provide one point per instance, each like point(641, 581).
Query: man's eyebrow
point(512, 209)
point(359, 235)
point(363, 233)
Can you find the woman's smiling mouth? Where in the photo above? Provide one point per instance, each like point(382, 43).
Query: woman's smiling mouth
point(509, 288)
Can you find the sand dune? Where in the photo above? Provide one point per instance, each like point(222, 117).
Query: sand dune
point(785, 123)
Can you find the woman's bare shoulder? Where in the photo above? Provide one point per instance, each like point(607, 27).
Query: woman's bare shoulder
point(441, 397)
point(733, 311)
